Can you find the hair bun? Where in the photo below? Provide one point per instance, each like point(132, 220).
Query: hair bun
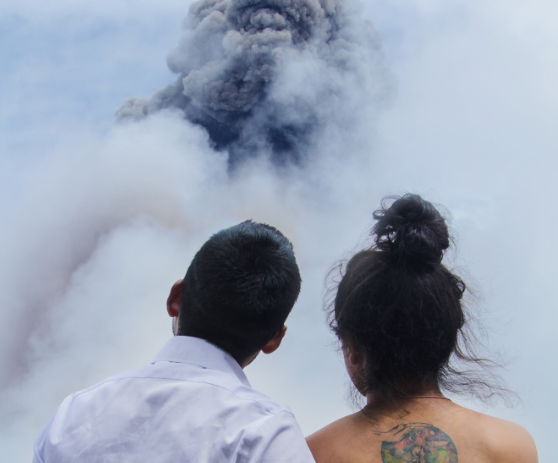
point(411, 231)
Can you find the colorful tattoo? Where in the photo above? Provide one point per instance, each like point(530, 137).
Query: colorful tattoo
point(418, 443)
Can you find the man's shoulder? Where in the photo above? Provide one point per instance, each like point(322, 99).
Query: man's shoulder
point(166, 411)
point(175, 410)
point(173, 380)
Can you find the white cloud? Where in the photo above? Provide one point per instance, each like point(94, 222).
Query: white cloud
point(100, 221)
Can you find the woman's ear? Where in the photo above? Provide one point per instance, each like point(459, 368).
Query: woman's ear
point(355, 362)
point(352, 354)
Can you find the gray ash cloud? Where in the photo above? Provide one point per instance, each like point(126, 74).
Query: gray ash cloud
point(269, 76)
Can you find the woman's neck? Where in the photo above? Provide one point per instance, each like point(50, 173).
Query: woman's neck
point(409, 394)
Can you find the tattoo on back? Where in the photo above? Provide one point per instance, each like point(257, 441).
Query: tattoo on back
point(417, 443)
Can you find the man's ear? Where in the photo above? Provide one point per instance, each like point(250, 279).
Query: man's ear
point(173, 301)
point(275, 342)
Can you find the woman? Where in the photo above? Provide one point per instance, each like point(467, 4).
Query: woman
point(398, 314)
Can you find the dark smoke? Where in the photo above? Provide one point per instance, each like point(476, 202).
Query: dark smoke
point(268, 76)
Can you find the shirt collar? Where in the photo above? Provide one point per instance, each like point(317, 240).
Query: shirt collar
point(196, 351)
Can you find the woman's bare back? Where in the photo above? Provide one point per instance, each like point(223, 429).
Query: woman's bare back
point(424, 431)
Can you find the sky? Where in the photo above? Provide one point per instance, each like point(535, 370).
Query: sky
point(100, 218)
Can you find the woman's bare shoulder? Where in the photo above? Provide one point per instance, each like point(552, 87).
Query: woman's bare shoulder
point(503, 440)
point(328, 443)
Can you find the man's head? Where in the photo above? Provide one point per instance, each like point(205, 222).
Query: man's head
point(238, 290)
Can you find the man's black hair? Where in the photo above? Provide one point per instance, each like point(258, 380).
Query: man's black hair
point(240, 288)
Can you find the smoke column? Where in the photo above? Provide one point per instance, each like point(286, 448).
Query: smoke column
point(268, 77)
point(283, 94)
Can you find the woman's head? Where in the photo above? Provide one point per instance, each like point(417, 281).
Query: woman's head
point(398, 305)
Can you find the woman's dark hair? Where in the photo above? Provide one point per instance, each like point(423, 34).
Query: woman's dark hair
point(402, 308)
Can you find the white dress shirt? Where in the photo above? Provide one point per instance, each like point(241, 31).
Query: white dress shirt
point(193, 403)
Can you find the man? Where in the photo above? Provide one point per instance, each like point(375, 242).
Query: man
point(193, 403)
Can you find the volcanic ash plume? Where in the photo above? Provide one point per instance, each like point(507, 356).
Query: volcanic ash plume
point(115, 219)
point(268, 76)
